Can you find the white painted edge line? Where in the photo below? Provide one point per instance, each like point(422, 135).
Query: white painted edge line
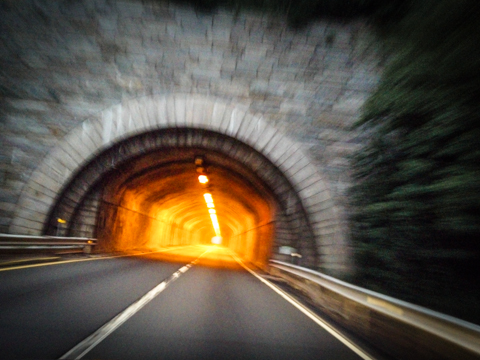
point(310, 314)
point(82, 348)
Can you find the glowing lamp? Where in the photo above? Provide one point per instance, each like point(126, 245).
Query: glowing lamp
point(203, 179)
point(213, 214)
point(217, 240)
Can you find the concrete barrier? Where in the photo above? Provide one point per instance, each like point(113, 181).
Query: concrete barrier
point(401, 329)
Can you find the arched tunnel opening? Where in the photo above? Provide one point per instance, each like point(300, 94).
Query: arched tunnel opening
point(144, 194)
point(157, 200)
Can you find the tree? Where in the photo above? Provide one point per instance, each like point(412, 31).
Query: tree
point(416, 199)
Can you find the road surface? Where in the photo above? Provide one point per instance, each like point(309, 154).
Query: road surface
point(194, 302)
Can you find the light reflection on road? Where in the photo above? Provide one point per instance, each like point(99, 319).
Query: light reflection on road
point(213, 256)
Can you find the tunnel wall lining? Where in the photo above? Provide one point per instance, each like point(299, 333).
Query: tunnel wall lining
point(150, 113)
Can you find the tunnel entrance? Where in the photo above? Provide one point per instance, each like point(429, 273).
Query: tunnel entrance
point(156, 200)
point(143, 193)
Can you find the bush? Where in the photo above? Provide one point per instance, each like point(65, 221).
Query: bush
point(416, 199)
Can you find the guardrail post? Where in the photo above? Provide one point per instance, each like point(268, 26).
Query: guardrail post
point(87, 249)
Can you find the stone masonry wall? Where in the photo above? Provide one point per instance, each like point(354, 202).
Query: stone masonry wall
point(62, 62)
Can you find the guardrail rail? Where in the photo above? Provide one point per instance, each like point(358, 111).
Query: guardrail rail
point(29, 243)
point(401, 329)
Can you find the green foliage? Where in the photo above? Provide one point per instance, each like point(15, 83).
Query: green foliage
point(416, 199)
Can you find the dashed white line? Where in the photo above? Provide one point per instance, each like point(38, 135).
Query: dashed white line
point(82, 348)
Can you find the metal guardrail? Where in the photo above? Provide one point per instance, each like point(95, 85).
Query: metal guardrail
point(401, 329)
point(35, 243)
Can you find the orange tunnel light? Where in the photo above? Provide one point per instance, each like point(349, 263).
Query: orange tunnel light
point(203, 179)
point(213, 214)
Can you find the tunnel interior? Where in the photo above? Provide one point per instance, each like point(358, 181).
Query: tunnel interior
point(156, 200)
point(144, 194)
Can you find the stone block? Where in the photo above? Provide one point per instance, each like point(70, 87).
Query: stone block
point(90, 131)
point(29, 219)
point(217, 34)
point(128, 9)
point(138, 113)
point(227, 115)
point(315, 193)
point(326, 219)
point(180, 110)
point(81, 44)
point(170, 111)
point(23, 230)
point(60, 165)
point(77, 153)
point(294, 107)
point(313, 181)
point(205, 73)
point(190, 115)
point(326, 233)
point(255, 52)
point(235, 122)
point(37, 190)
point(148, 107)
point(107, 126)
point(294, 162)
point(278, 88)
point(259, 89)
point(246, 66)
point(7, 209)
point(107, 23)
point(153, 29)
point(317, 205)
point(263, 138)
point(246, 127)
point(350, 105)
point(256, 130)
point(159, 108)
point(277, 148)
point(40, 205)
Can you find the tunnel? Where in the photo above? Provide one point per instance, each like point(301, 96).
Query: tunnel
point(143, 193)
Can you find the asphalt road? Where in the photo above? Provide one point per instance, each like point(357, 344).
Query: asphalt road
point(210, 309)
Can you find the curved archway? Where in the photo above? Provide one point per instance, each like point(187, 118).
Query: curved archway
point(304, 196)
point(152, 178)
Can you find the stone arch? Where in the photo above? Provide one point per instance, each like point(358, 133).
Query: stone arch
point(157, 153)
point(159, 112)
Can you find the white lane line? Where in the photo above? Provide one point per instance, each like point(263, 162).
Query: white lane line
point(82, 348)
point(319, 321)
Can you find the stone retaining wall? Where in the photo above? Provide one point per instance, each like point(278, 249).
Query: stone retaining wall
point(65, 62)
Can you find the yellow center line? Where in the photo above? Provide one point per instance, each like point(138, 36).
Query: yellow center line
point(28, 259)
point(89, 259)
